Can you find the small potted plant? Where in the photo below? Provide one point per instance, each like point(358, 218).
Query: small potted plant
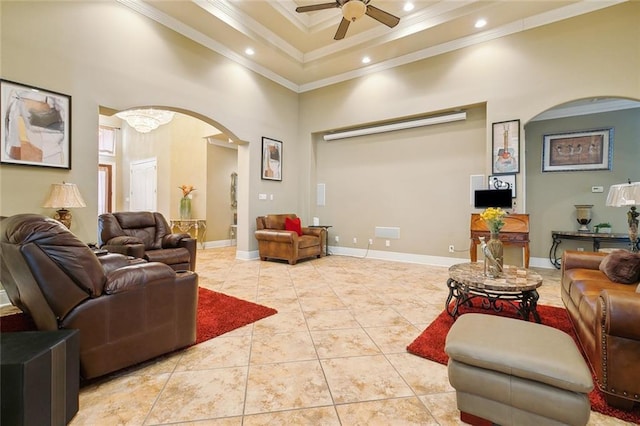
point(603, 228)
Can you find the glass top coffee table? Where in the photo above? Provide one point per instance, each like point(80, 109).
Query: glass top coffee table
point(516, 287)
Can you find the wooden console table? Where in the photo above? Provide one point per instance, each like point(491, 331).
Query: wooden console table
point(595, 238)
point(515, 232)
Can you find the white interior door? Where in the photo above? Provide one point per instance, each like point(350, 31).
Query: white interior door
point(143, 195)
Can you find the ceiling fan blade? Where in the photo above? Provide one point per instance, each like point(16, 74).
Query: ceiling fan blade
point(314, 7)
point(381, 16)
point(342, 29)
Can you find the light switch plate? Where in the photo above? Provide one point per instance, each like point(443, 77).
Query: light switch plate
point(597, 189)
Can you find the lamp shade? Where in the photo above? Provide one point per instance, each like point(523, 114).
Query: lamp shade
point(624, 194)
point(353, 9)
point(63, 196)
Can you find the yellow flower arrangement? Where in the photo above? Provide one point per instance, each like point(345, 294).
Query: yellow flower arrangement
point(186, 190)
point(493, 217)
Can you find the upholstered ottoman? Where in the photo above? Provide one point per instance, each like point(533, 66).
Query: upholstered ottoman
point(514, 372)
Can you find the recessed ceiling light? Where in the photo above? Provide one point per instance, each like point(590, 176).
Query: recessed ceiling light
point(408, 6)
point(249, 51)
point(366, 60)
point(480, 23)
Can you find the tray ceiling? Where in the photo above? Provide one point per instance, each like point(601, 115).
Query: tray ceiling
point(297, 50)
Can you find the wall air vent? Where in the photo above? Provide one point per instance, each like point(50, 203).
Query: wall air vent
point(429, 121)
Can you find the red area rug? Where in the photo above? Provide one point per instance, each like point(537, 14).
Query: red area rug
point(430, 345)
point(217, 314)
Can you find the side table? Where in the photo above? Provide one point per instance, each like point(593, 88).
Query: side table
point(40, 377)
point(326, 236)
point(197, 228)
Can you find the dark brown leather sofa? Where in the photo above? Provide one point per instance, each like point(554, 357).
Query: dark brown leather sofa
point(126, 310)
point(275, 242)
point(606, 318)
point(146, 235)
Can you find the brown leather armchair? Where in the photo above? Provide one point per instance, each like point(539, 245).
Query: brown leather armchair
point(275, 242)
point(148, 236)
point(126, 310)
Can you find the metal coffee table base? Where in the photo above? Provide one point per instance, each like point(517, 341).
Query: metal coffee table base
point(525, 302)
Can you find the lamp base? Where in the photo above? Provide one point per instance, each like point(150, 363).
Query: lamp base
point(63, 216)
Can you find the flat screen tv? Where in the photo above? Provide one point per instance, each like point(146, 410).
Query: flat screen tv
point(484, 198)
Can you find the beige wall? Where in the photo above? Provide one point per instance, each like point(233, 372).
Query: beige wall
point(104, 54)
point(415, 179)
point(71, 47)
point(221, 162)
point(517, 77)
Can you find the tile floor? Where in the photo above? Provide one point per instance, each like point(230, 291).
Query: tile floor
point(335, 354)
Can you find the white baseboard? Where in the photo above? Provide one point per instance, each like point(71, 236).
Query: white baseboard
point(538, 262)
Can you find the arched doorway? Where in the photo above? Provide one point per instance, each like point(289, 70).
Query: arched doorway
point(189, 150)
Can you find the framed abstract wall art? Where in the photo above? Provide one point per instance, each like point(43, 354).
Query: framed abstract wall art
point(506, 147)
point(271, 159)
point(35, 127)
point(574, 151)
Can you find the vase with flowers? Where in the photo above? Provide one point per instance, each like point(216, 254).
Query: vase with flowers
point(493, 249)
point(185, 201)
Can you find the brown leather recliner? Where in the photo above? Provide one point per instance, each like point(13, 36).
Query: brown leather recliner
point(275, 242)
point(146, 235)
point(126, 310)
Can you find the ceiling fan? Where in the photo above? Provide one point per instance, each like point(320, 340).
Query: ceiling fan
point(351, 11)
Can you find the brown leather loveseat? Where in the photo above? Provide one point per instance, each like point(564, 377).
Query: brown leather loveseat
point(126, 310)
point(276, 242)
point(606, 317)
point(146, 235)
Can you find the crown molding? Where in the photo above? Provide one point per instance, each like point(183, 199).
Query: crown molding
point(225, 11)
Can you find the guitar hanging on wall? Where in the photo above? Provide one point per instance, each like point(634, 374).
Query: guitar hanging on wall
point(506, 160)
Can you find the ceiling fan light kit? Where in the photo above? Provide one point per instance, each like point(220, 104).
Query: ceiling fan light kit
point(353, 10)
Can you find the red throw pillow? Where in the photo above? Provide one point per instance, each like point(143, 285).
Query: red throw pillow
point(293, 225)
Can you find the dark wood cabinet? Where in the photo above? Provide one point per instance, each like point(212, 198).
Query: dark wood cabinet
point(515, 232)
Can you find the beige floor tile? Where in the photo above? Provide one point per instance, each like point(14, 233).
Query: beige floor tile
point(443, 408)
point(223, 351)
point(322, 416)
point(200, 395)
point(424, 376)
point(284, 347)
point(344, 342)
point(268, 372)
point(401, 411)
point(393, 339)
point(276, 387)
point(379, 317)
point(318, 303)
point(122, 400)
point(282, 322)
point(363, 378)
point(330, 320)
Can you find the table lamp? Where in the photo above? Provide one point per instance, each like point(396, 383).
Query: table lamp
point(62, 197)
point(627, 195)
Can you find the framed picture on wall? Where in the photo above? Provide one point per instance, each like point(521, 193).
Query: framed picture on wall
point(575, 151)
point(271, 159)
point(506, 147)
point(503, 182)
point(35, 129)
